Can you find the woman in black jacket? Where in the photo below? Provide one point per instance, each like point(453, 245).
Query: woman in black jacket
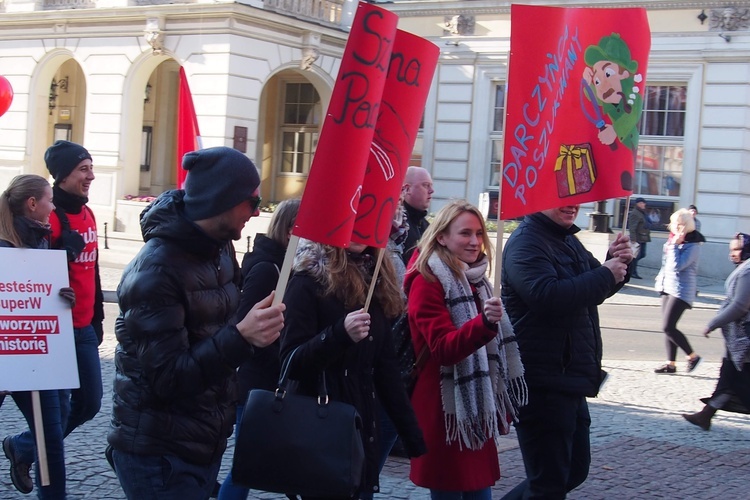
point(25, 207)
point(260, 273)
point(351, 347)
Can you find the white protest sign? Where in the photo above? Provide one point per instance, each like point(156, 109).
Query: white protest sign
point(37, 348)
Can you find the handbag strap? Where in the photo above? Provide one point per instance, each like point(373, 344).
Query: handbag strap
point(284, 374)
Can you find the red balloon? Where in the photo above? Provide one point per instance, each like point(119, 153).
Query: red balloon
point(6, 95)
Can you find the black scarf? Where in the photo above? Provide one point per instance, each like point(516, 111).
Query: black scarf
point(68, 202)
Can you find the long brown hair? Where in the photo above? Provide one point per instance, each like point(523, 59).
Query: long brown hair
point(13, 201)
point(347, 283)
point(429, 243)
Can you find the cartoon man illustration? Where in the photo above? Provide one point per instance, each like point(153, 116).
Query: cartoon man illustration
point(611, 73)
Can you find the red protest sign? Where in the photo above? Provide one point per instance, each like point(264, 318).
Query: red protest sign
point(575, 96)
point(331, 197)
point(410, 73)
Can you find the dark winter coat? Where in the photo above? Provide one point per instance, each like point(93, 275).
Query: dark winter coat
point(638, 224)
point(551, 287)
point(417, 226)
point(260, 273)
point(356, 373)
point(32, 234)
point(178, 349)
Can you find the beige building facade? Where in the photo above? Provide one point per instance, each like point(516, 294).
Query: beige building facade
point(105, 74)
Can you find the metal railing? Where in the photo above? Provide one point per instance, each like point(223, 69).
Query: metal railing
point(324, 11)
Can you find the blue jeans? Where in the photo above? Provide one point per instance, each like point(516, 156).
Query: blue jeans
point(163, 477)
point(52, 417)
point(229, 490)
point(553, 434)
point(483, 494)
point(84, 402)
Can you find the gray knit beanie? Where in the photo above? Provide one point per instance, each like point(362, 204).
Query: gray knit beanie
point(218, 179)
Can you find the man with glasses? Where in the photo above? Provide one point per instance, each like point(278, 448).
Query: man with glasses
point(178, 348)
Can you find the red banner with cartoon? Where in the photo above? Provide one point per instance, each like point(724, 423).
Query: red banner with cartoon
point(331, 197)
point(410, 73)
point(575, 94)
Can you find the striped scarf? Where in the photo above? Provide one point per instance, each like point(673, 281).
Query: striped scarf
point(484, 391)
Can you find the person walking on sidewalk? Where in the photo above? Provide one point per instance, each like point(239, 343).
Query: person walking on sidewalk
point(25, 208)
point(551, 289)
point(732, 391)
point(74, 229)
point(178, 347)
point(677, 282)
point(640, 234)
point(472, 384)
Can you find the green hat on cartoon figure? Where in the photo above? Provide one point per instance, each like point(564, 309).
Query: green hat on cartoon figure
point(611, 48)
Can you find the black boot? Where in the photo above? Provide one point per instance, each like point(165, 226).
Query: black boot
point(702, 419)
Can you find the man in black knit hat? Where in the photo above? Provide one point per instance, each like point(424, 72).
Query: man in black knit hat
point(178, 348)
point(74, 230)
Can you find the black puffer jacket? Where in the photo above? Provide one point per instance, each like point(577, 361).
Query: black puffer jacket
point(551, 287)
point(355, 372)
point(177, 347)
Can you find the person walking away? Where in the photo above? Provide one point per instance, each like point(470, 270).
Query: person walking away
point(25, 208)
point(417, 191)
point(472, 384)
point(260, 273)
point(74, 229)
point(732, 391)
point(551, 288)
point(640, 234)
point(178, 345)
point(677, 283)
point(352, 348)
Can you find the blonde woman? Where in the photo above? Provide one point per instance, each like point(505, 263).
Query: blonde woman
point(472, 385)
point(677, 282)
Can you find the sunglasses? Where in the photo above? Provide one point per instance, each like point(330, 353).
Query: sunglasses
point(255, 202)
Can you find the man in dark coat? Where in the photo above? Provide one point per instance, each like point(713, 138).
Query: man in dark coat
point(417, 195)
point(640, 234)
point(551, 287)
point(178, 348)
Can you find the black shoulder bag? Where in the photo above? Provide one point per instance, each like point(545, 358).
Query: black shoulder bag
point(299, 445)
point(70, 241)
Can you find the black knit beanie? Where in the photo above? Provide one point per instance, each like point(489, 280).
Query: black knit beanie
point(62, 157)
point(218, 179)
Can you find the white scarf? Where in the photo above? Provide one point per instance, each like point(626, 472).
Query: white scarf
point(482, 391)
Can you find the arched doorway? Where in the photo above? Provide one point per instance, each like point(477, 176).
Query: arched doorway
point(67, 104)
point(292, 116)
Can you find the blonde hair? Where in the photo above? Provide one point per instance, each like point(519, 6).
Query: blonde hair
point(346, 282)
point(682, 217)
point(282, 221)
point(429, 243)
point(13, 203)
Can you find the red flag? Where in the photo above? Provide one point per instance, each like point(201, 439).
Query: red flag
point(410, 72)
point(188, 135)
point(329, 203)
point(575, 95)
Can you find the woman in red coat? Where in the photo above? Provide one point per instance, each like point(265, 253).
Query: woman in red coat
point(470, 388)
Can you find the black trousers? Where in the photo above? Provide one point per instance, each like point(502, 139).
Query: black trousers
point(553, 433)
point(672, 309)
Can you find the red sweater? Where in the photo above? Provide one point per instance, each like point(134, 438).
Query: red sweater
point(444, 467)
point(82, 272)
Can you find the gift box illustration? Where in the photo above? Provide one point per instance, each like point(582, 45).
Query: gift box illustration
point(574, 170)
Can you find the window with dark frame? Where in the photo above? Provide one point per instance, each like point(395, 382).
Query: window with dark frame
point(496, 135)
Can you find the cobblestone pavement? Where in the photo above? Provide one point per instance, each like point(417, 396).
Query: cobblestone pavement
point(641, 446)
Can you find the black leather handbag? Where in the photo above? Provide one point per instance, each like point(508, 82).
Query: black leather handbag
point(299, 445)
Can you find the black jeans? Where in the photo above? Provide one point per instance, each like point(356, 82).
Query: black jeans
point(672, 309)
point(553, 433)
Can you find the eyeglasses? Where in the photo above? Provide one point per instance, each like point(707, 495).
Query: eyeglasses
point(255, 202)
